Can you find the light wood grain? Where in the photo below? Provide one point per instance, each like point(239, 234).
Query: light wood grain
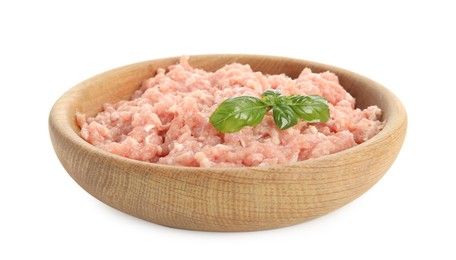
point(234, 199)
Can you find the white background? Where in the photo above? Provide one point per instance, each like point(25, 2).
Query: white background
point(48, 47)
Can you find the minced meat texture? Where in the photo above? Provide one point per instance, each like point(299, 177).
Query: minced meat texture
point(167, 120)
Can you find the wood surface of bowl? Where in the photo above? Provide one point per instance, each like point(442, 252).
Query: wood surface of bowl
point(223, 199)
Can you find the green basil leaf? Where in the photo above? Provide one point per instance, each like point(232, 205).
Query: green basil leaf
point(272, 93)
point(311, 108)
point(270, 96)
point(284, 116)
point(235, 113)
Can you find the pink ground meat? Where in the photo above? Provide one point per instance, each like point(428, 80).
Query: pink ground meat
point(167, 120)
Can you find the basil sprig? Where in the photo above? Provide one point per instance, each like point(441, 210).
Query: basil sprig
point(235, 113)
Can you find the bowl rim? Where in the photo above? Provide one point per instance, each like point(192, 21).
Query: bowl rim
point(391, 124)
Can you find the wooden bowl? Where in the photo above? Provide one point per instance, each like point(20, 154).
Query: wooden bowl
point(231, 199)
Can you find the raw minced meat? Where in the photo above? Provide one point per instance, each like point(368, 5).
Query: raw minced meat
point(167, 119)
